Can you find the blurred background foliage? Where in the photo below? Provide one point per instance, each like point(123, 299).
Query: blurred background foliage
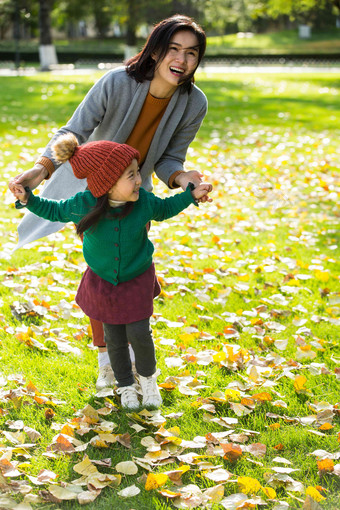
point(128, 19)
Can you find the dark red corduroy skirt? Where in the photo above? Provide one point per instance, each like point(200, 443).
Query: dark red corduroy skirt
point(124, 303)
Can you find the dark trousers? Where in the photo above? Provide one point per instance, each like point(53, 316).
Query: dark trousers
point(139, 335)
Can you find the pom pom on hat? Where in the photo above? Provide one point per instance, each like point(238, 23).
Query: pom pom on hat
point(101, 162)
point(64, 147)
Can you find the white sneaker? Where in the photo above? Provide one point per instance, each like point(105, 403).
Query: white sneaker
point(128, 397)
point(106, 378)
point(150, 390)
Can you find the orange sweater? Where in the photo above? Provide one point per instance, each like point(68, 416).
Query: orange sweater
point(150, 116)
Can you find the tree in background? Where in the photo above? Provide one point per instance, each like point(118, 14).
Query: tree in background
point(18, 15)
point(221, 15)
point(103, 12)
point(307, 13)
point(216, 16)
point(25, 16)
point(67, 14)
point(230, 16)
point(295, 9)
point(336, 4)
point(6, 16)
point(132, 14)
point(47, 52)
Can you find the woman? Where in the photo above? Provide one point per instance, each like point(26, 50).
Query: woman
point(150, 104)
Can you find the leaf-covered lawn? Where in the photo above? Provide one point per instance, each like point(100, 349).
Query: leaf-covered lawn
point(246, 327)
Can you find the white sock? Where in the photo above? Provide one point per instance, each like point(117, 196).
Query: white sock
point(103, 359)
point(132, 354)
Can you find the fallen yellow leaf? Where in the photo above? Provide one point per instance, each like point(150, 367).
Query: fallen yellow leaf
point(269, 492)
point(299, 383)
point(85, 467)
point(322, 276)
point(154, 481)
point(233, 394)
point(314, 493)
point(219, 356)
point(248, 485)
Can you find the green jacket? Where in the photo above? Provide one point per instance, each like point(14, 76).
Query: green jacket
point(117, 250)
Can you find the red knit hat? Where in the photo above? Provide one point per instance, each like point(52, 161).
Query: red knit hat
point(101, 163)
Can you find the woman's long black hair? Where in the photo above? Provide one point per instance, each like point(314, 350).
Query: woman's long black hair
point(142, 66)
point(100, 210)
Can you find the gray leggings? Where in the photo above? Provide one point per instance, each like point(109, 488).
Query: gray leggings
point(139, 335)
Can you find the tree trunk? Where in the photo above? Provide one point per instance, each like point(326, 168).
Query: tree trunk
point(45, 22)
point(16, 34)
point(131, 38)
point(47, 53)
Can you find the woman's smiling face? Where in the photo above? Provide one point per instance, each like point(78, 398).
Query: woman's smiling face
point(179, 62)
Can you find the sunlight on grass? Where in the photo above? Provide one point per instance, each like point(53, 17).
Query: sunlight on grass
point(285, 42)
point(276, 42)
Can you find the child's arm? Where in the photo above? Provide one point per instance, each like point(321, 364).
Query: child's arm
point(162, 209)
point(72, 209)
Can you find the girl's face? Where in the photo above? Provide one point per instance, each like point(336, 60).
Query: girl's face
point(180, 61)
point(127, 187)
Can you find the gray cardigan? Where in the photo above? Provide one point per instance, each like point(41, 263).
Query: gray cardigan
point(109, 112)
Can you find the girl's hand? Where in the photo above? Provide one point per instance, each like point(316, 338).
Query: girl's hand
point(200, 193)
point(31, 178)
point(19, 192)
point(195, 177)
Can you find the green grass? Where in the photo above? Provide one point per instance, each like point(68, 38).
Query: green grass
point(270, 147)
point(285, 41)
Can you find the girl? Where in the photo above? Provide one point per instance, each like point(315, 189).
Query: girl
point(119, 284)
point(151, 104)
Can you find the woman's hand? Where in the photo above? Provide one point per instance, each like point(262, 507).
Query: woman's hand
point(184, 178)
point(31, 178)
point(201, 192)
point(19, 192)
point(195, 177)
